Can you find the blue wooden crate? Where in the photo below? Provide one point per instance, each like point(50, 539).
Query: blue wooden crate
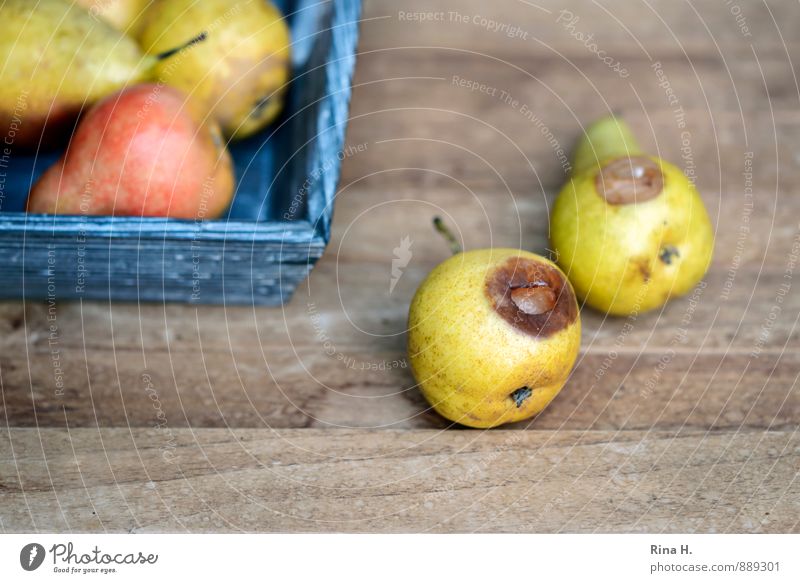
point(275, 230)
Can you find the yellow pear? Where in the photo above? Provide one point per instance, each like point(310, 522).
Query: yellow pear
point(56, 60)
point(121, 14)
point(630, 230)
point(493, 335)
point(239, 73)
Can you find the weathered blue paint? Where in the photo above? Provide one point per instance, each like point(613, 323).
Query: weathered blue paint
point(276, 228)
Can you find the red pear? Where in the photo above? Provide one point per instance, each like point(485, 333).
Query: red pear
point(140, 152)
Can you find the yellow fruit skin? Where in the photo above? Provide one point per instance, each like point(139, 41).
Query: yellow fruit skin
point(239, 72)
point(121, 14)
point(468, 360)
point(611, 252)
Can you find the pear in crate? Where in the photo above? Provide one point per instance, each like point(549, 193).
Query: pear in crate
point(239, 74)
point(140, 152)
point(57, 59)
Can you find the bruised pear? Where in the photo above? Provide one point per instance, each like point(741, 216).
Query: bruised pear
point(240, 73)
point(493, 335)
point(630, 230)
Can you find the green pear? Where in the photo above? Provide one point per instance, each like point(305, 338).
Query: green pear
point(630, 230)
point(56, 60)
point(239, 73)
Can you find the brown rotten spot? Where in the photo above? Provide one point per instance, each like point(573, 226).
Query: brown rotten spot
point(628, 180)
point(533, 297)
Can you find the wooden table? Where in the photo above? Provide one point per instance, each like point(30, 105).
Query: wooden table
point(170, 418)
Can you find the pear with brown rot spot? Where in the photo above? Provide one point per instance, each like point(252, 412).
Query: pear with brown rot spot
point(493, 335)
point(630, 230)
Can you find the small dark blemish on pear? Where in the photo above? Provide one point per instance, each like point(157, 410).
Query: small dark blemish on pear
point(260, 105)
point(521, 395)
point(667, 253)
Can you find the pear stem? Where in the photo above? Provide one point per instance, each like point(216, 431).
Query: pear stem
point(455, 246)
point(167, 54)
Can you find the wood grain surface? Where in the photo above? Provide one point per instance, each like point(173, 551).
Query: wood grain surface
point(310, 480)
point(124, 417)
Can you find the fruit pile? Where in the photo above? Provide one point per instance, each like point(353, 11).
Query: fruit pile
point(145, 92)
point(493, 334)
